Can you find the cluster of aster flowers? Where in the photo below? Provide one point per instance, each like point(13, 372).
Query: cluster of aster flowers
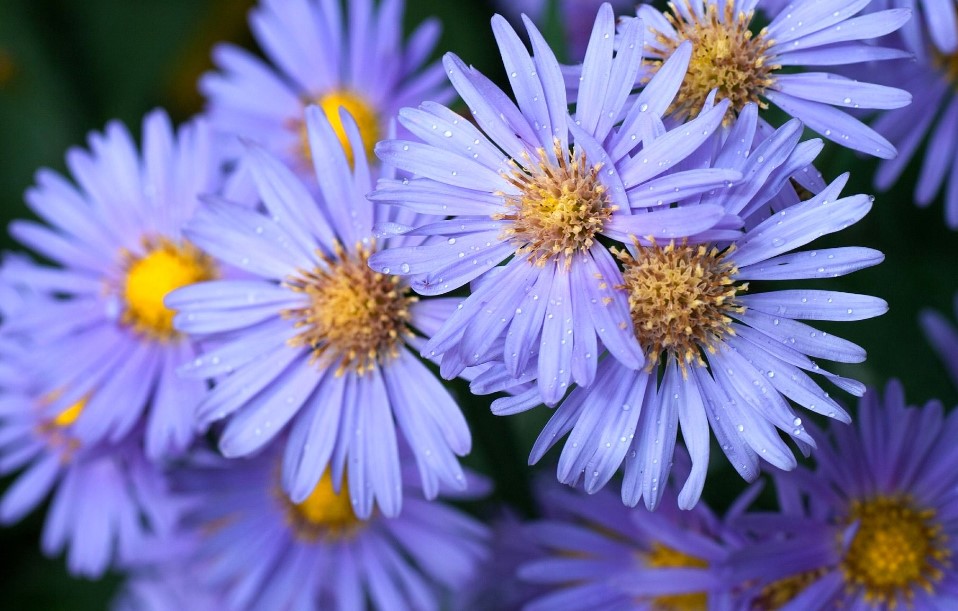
point(220, 360)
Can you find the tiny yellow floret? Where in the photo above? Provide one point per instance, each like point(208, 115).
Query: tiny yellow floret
point(362, 111)
point(165, 267)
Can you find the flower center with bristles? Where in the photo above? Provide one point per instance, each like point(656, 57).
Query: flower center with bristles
point(324, 515)
point(664, 557)
point(680, 298)
point(361, 110)
point(725, 56)
point(560, 207)
point(356, 317)
point(897, 550)
point(166, 267)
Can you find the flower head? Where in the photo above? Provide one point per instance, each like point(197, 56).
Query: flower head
point(96, 323)
point(718, 353)
point(317, 55)
point(108, 503)
point(265, 552)
point(316, 342)
point(594, 552)
point(746, 66)
point(527, 226)
point(873, 524)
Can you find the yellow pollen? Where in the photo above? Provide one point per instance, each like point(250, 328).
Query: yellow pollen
point(356, 316)
point(56, 430)
point(680, 298)
point(560, 208)
point(70, 414)
point(778, 594)
point(897, 550)
point(324, 514)
point(664, 557)
point(725, 56)
point(166, 267)
point(361, 110)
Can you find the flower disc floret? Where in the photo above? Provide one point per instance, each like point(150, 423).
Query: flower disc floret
point(726, 55)
point(356, 317)
point(165, 267)
point(680, 298)
point(898, 548)
point(560, 208)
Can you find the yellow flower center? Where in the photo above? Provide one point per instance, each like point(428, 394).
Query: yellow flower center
point(324, 514)
point(680, 298)
point(664, 557)
point(725, 56)
point(166, 267)
point(560, 208)
point(361, 110)
point(898, 548)
point(356, 316)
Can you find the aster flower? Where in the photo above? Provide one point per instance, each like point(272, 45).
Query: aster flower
point(319, 56)
point(872, 526)
point(943, 337)
point(932, 77)
point(267, 552)
point(747, 66)
point(108, 502)
point(717, 357)
point(526, 226)
point(315, 341)
point(595, 553)
point(98, 329)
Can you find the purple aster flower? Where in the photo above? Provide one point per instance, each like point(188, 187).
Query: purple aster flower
point(943, 337)
point(319, 56)
point(747, 66)
point(716, 356)
point(526, 225)
point(315, 340)
point(932, 78)
point(97, 327)
point(595, 553)
point(267, 552)
point(108, 503)
point(872, 526)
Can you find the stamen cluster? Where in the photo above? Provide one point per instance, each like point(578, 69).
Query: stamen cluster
point(356, 316)
point(725, 55)
point(680, 298)
point(560, 208)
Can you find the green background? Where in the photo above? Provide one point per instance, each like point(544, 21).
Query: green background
point(69, 66)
